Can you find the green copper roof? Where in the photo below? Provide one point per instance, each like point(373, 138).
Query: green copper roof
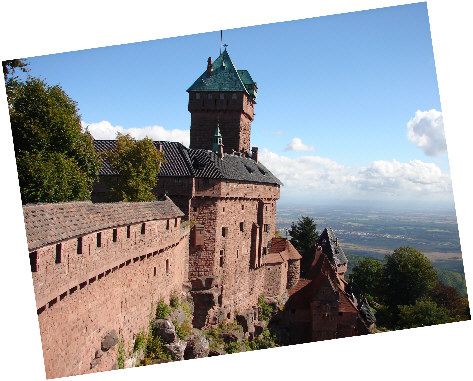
point(225, 77)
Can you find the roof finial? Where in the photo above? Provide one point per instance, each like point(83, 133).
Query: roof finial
point(225, 46)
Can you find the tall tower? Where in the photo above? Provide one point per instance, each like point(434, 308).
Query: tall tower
point(222, 96)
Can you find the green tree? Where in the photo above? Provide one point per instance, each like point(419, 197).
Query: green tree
point(303, 237)
point(56, 161)
point(137, 163)
point(422, 313)
point(408, 276)
point(11, 80)
point(368, 276)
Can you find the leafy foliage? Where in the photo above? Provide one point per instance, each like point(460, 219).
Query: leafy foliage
point(174, 301)
point(11, 80)
point(408, 275)
point(422, 313)
point(303, 237)
point(264, 341)
point(137, 163)
point(162, 309)
point(368, 276)
point(266, 309)
point(56, 161)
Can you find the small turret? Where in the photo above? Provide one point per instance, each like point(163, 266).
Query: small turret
point(217, 145)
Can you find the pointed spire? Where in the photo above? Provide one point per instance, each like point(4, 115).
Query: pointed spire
point(217, 141)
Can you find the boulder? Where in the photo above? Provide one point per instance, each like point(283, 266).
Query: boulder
point(177, 349)
point(260, 327)
point(178, 316)
point(216, 352)
point(109, 340)
point(232, 335)
point(165, 330)
point(197, 345)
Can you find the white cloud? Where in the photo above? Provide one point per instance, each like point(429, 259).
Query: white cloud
point(318, 177)
point(297, 145)
point(104, 130)
point(426, 131)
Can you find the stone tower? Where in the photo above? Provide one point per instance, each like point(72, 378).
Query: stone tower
point(222, 96)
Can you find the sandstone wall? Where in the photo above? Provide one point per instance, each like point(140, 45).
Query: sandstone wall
point(106, 288)
point(233, 115)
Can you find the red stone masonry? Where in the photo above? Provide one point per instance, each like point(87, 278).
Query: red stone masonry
point(88, 285)
point(234, 117)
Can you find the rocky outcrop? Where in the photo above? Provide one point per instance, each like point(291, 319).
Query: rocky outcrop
point(197, 345)
point(164, 328)
point(177, 349)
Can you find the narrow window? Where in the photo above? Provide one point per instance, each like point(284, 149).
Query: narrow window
point(197, 95)
point(210, 96)
point(167, 266)
point(99, 239)
point(266, 227)
point(223, 209)
point(154, 271)
point(243, 207)
point(221, 258)
point(222, 96)
point(79, 245)
point(34, 261)
point(128, 231)
point(175, 222)
point(234, 96)
point(58, 252)
point(115, 235)
point(167, 225)
point(143, 228)
point(237, 253)
point(224, 231)
point(242, 226)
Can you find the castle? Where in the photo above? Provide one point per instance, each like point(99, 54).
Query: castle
point(99, 267)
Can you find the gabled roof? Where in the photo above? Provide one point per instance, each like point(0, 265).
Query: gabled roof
point(183, 162)
point(54, 222)
point(330, 247)
point(281, 250)
point(224, 77)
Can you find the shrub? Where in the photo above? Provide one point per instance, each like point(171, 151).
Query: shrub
point(140, 341)
point(174, 301)
point(266, 309)
point(121, 355)
point(233, 347)
point(162, 309)
point(183, 330)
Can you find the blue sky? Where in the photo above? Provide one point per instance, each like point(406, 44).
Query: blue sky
point(335, 95)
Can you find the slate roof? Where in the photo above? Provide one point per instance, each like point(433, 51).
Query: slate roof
point(224, 77)
point(51, 223)
point(182, 161)
point(330, 247)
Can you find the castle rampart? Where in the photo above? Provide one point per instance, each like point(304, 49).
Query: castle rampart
point(88, 285)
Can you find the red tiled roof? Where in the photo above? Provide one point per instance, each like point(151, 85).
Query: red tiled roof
point(281, 250)
point(49, 223)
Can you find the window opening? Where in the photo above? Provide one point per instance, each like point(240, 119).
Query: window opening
point(34, 261)
point(58, 252)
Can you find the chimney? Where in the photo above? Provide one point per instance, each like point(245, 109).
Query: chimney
point(254, 153)
point(209, 67)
